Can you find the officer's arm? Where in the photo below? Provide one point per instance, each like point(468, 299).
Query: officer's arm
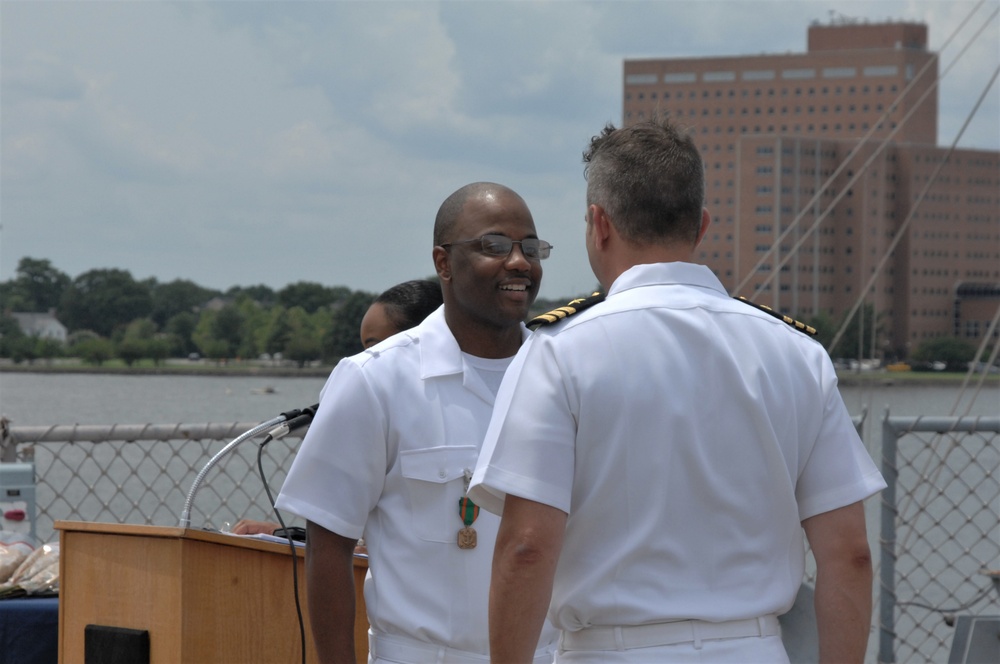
point(839, 542)
point(524, 564)
point(330, 588)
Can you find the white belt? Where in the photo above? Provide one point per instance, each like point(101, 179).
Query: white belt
point(668, 633)
point(408, 651)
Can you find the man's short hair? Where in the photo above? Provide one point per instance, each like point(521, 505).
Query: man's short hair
point(650, 180)
point(451, 209)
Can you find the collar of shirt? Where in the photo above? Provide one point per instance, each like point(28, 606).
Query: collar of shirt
point(439, 351)
point(686, 274)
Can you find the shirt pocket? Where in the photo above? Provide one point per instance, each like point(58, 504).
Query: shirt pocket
point(435, 483)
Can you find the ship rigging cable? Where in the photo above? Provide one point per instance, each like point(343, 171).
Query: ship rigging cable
point(853, 152)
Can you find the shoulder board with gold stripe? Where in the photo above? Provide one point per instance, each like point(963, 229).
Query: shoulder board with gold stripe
point(570, 308)
point(578, 305)
point(798, 325)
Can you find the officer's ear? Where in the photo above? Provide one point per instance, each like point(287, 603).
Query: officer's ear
point(600, 226)
point(442, 263)
point(706, 221)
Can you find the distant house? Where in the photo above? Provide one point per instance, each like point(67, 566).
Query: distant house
point(43, 326)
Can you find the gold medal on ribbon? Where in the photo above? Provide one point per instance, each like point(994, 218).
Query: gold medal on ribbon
point(467, 538)
point(468, 510)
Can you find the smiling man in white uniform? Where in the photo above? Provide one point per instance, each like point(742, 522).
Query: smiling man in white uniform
point(656, 456)
point(394, 441)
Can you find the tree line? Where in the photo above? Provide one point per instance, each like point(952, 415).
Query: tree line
point(109, 314)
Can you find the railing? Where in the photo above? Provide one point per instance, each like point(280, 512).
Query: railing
point(940, 525)
point(940, 532)
point(142, 473)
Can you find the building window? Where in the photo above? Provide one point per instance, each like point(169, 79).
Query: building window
point(680, 77)
point(886, 70)
point(803, 73)
point(839, 72)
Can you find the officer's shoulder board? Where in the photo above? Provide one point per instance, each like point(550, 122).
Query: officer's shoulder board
point(568, 309)
point(798, 325)
point(579, 304)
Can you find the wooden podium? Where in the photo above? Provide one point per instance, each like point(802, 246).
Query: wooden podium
point(202, 596)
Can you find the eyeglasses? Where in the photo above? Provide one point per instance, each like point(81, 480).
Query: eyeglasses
point(501, 246)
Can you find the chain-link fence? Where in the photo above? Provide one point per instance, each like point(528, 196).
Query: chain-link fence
point(142, 474)
point(940, 538)
point(940, 531)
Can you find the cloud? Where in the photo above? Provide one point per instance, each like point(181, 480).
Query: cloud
point(236, 143)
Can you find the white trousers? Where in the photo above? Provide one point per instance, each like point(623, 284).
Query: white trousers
point(747, 650)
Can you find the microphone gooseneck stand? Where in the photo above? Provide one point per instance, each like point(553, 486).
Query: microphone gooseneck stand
point(277, 427)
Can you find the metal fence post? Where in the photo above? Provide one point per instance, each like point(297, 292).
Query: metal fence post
point(887, 560)
point(8, 448)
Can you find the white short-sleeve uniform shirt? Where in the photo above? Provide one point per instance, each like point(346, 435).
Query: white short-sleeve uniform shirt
point(385, 458)
point(686, 435)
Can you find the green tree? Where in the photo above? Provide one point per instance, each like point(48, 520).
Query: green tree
point(142, 329)
point(955, 353)
point(216, 349)
point(177, 297)
point(303, 346)
point(10, 336)
point(94, 350)
point(137, 340)
point(131, 350)
point(308, 295)
point(103, 300)
point(76, 338)
point(278, 332)
point(341, 338)
point(202, 336)
point(304, 341)
point(9, 301)
point(854, 340)
point(37, 286)
point(180, 328)
point(48, 349)
point(228, 328)
point(219, 334)
point(253, 321)
point(261, 294)
point(825, 328)
point(158, 348)
point(24, 349)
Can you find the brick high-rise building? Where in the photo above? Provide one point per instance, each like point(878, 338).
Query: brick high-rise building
point(780, 137)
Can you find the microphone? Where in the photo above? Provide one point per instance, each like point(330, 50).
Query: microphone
point(300, 419)
point(287, 421)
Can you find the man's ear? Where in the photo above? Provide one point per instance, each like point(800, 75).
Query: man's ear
point(706, 221)
point(601, 226)
point(442, 263)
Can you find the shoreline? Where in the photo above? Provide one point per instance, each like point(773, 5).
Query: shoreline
point(172, 368)
point(845, 378)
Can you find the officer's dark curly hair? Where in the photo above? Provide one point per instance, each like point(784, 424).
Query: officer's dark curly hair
point(410, 302)
point(650, 180)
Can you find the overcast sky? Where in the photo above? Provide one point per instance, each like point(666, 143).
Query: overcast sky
point(242, 143)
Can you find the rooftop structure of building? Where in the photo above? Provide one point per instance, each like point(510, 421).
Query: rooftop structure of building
point(825, 181)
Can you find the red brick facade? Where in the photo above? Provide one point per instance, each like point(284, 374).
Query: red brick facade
point(777, 132)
